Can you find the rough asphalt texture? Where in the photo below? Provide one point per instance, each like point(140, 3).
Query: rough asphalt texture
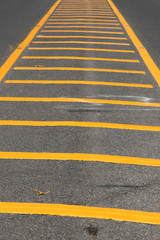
point(78, 183)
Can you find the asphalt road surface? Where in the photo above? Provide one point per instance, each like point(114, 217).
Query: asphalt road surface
point(79, 120)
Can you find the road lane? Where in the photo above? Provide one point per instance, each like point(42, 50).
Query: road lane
point(89, 137)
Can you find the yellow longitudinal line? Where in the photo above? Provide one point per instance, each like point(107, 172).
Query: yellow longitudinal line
point(68, 31)
point(82, 49)
point(80, 124)
point(82, 42)
point(94, 37)
point(155, 71)
point(81, 19)
point(82, 27)
point(79, 82)
point(80, 211)
point(82, 23)
point(81, 157)
point(79, 100)
point(79, 69)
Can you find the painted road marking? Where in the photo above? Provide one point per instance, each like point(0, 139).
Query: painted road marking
point(142, 51)
point(82, 27)
point(80, 211)
point(80, 42)
point(80, 58)
point(14, 56)
point(79, 100)
point(64, 36)
point(81, 49)
point(82, 23)
point(88, 14)
point(68, 31)
point(79, 69)
point(81, 19)
point(83, 16)
point(79, 82)
point(93, 10)
point(80, 157)
point(80, 124)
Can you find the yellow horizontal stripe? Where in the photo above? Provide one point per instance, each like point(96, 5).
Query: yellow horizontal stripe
point(79, 100)
point(82, 27)
point(108, 13)
point(80, 124)
point(80, 42)
point(82, 49)
point(80, 58)
point(64, 36)
point(84, 11)
point(155, 71)
point(81, 16)
point(94, 7)
point(81, 157)
point(80, 211)
point(86, 14)
point(68, 31)
point(79, 69)
point(78, 15)
point(81, 19)
point(79, 82)
point(82, 23)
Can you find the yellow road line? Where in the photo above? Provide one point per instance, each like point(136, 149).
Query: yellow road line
point(80, 58)
point(14, 56)
point(81, 27)
point(80, 124)
point(79, 69)
point(80, 211)
point(83, 11)
point(64, 36)
point(81, 16)
point(142, 51)
point(79, 100)
point(80, 42)
point(86, 16)
point(102, 7)
point(81, 19)
point(79, 82)
point(68, 31)
point(82, 23)
point(82, 49)
point(81, 157)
